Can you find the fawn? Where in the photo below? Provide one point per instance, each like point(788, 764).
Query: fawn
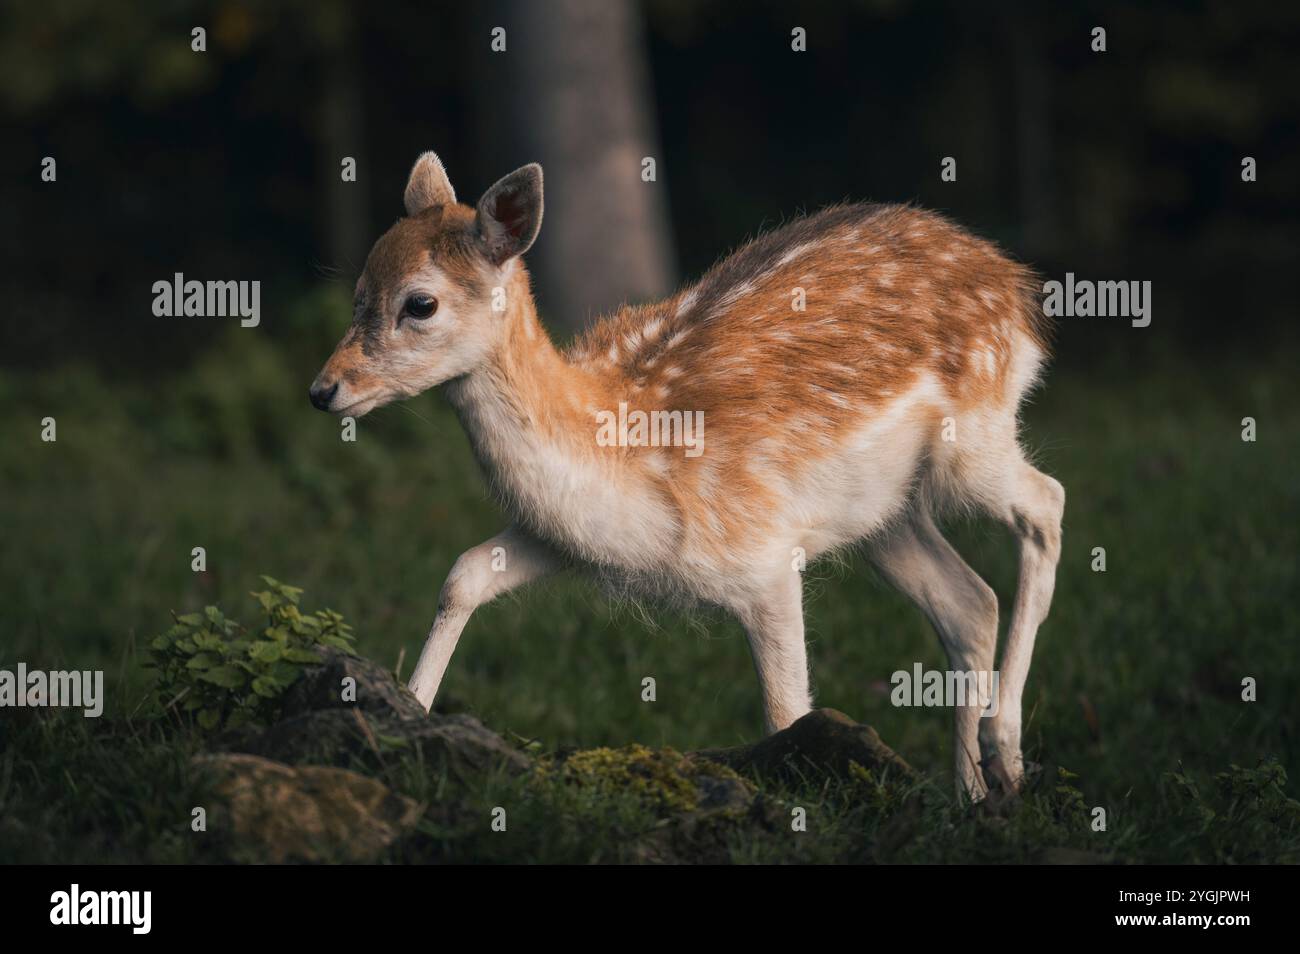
point(857, 371)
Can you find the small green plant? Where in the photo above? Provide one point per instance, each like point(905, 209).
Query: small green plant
point(226, 675)
point(1241, 793)
point(1264, 785)
point(1067, 801)
point(1245, 815)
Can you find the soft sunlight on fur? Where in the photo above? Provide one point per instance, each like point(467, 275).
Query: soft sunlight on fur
point(856, 372)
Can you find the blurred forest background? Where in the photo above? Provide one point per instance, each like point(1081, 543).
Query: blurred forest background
point(174, 433)
point(1123, 164)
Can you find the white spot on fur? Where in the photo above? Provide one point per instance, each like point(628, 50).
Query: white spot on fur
point(795, 252)
point(678, 337)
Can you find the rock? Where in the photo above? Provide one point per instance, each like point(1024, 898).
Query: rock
point(663, 780)
point(466, 745)
point(341, 736)
point(377, 692)
point(318, 726)
point(699, 804)
point(825, 741)
point(277, 813)
point(720, 794)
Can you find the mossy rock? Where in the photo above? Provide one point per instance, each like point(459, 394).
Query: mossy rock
point(664, 781)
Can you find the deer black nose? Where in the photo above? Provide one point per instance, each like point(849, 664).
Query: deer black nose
point(322, 396)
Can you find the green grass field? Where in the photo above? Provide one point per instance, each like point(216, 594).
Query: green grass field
point(1137, 673)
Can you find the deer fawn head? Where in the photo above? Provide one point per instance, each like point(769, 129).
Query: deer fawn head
point(423, 312)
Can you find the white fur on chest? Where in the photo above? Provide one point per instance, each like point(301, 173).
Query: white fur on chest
point(594, 508)
point(608, 511)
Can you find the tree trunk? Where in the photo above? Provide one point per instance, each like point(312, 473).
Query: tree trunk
point(342, 125)
point(574, 94)
point(1032, 78)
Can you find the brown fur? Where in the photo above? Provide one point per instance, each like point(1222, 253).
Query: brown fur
point(891, 292)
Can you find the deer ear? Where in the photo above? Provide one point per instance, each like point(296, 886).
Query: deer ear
point(510, 214)
point(428, 185)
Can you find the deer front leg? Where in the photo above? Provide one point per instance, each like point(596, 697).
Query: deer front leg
point(479, 575)
point(774, 626)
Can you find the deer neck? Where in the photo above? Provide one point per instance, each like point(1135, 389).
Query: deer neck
point(530, 417)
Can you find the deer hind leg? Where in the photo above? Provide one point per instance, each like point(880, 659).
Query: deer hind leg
point(774, 626)
point(479, 575)
point(1032, 505)
point(962, 608)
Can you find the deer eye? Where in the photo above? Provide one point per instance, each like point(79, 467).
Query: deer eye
point(420, 306)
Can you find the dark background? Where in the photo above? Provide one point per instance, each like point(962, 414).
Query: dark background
point(1123, 164)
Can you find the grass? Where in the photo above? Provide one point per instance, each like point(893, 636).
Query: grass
point(1137, 674)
